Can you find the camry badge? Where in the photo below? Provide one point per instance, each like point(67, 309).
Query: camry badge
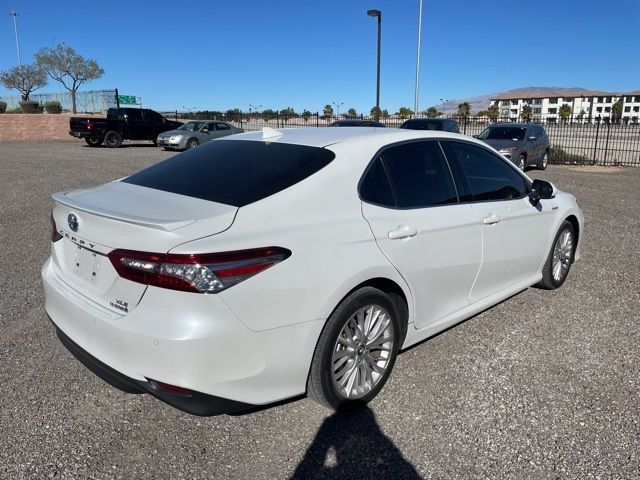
point(72, 220)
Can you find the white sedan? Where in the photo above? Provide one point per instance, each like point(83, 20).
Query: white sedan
point(271, 264)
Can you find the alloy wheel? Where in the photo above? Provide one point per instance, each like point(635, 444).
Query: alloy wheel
point(362, 352)
point(562, 253)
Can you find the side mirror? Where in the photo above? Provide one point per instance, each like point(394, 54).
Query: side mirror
point(532, 138)
point(475, 136)
point(540, 190)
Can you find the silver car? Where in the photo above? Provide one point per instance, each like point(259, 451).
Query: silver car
point(195, 132)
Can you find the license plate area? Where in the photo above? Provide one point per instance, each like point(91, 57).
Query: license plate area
point(86, 264)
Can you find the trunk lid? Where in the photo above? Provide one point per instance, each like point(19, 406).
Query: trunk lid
point(120, 215)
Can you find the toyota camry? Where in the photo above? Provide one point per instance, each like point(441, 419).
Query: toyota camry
point(271, 264)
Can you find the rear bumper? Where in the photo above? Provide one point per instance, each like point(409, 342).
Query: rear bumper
point(188, 340)
point(197, 403)
point(85, 134)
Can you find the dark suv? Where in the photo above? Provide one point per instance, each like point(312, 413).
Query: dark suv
point(523, 144)
point(443, 124)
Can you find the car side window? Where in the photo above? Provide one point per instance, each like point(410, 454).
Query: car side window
point(211, 126)
point(419, 175)
point(152, 116)
point(375, 186)
point(222, 126)
point(488, 176)
point(134, 114)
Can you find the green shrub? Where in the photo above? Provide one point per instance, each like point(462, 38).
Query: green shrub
point(3, 106)
point(53, 107)
point(29, 107)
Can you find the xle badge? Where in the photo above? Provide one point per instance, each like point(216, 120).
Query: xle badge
point(120, 305)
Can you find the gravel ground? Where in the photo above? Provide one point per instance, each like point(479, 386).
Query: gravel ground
point(544, 385)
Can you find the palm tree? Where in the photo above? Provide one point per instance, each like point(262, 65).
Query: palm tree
point(526, 113)
point(464, 110)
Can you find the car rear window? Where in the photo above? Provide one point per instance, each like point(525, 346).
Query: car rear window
point(234, 172)
point(422, 125)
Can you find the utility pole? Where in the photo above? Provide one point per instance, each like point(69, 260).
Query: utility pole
point(14, 14)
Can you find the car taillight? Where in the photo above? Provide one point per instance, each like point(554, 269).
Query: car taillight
point(89, 124)
point(55, 236)
point(200, 273)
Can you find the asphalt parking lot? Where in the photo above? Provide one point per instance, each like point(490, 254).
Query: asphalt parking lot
point(544, 385)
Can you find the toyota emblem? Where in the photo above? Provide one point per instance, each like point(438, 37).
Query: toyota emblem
point(72, 220)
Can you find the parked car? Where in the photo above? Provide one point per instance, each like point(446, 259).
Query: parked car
point(443, 124)
point(226, 277)
point(195, 132)
point(120, 124)
point(523, 144)
point(357, 123)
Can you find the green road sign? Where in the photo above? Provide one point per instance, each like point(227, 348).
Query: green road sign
point(127, 100)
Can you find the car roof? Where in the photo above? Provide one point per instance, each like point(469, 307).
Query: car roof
point(511, 124)
point(416, 120)
point(323, 136)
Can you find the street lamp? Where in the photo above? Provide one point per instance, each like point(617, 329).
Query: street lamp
point(14, 14)
point(417, 94)
point(377, 13)
point(337, 105)
point(442, 100)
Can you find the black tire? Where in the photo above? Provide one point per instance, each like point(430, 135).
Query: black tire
point(113, 139)
point(94, 142)
point(155, 143)
point(522, 162)
point(192, 143)
point(543, 161)
point(320, 385)
point(548, 281)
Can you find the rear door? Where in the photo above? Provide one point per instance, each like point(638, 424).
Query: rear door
point(433, 240)
point(222, 130)
point(514, 232)
point(154, 123)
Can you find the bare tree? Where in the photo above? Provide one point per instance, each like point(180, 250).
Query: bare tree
point(63, 64)
point(25, 79)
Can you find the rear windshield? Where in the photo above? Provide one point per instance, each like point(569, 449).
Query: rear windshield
point(234, 172)
point(503, 133)
point(422, 125)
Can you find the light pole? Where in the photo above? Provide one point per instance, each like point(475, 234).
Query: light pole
point(377, 13)
point(14, 14)
point(337, 105)
point(443, 102)
point(417, 94)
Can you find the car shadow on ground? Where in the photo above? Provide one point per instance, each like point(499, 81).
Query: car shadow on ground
point(350, 445)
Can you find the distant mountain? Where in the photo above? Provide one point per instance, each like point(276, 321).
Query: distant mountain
point(482, 102)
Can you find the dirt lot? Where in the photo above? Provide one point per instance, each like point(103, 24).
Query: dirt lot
point(544, 385)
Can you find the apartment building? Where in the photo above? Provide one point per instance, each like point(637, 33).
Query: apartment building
point(585, 105)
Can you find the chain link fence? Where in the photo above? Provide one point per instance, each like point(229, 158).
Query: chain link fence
point(90, 101)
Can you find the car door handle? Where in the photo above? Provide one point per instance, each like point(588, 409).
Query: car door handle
point(491, 219)
point(403, 232)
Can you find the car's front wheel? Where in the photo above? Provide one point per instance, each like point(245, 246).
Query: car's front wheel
point(560, 258)
point(192, 143)
point(356, 350)
point(522, 162)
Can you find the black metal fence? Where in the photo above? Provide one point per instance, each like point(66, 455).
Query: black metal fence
point(577, 140)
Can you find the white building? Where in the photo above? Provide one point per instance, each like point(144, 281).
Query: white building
point(586, 105)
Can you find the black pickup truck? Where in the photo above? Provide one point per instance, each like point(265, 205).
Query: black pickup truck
point(120, 124)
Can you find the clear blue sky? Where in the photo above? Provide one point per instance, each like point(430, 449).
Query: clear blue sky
point(304, 54)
